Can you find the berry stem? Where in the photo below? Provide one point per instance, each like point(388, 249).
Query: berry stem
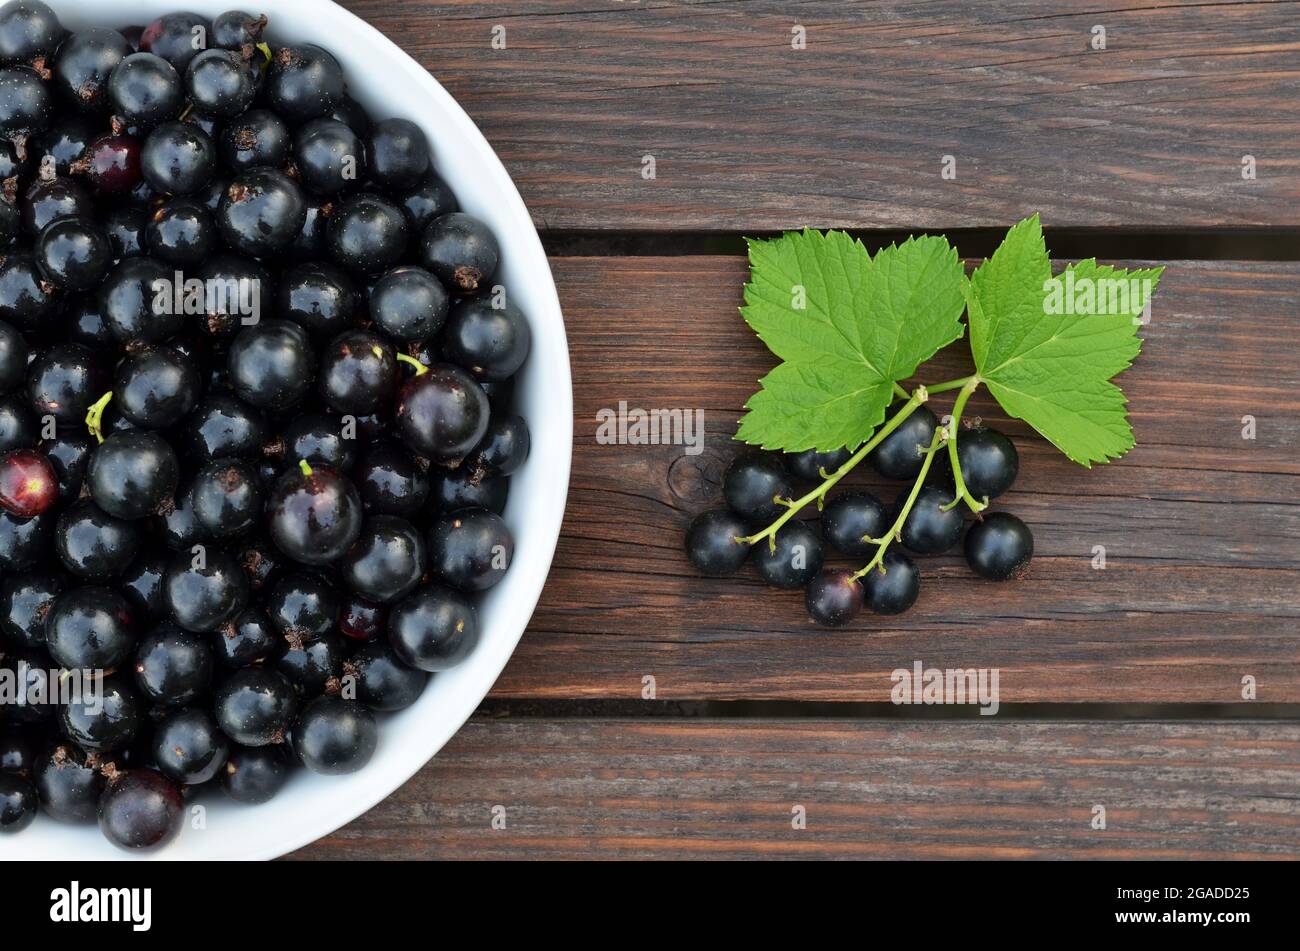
point(970, 386)
point(883, 543)
point(306, 469)
point(95, 416)
point(816, 495)
point(420, 368)
point(953, 384)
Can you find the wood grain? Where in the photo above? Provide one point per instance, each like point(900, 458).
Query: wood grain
point(1200, 526)
point(620, 789)
point(749, 134)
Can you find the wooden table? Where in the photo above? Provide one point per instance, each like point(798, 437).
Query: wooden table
point(1121, 688)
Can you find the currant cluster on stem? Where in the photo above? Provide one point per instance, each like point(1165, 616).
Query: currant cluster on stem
point(946, 470)
point(264, 533)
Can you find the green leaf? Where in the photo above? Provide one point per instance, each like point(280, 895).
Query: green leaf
point(848, 327)
point(1047, 347)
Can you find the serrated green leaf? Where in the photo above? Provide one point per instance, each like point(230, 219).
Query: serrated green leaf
point(865, 323)
point(1047, 352)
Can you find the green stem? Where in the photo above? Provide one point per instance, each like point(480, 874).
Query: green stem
point(819, 493)
point(95, 416)
point(971, 385)
point(304, 467)
point(952, 384)
point(883, 543)
point(901, 393)
point(420, 368)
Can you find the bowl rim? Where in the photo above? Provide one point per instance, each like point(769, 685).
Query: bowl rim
point(544, 521)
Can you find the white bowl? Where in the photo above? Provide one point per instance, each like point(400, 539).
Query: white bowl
point(389, 83)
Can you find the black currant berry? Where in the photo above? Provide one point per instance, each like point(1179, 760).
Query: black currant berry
point(181, 232)
point(433, 629)
point(834, 597)
point(248, 640)
point(188, 747)
point(26, 105)
point(133, 474)
point(315, 515)
point(220, 83)
point(900, 454)
point(144, 90)
point(302, 606)
point(29, 30)
point(176, 37)
point(261, 212)
point(334, 736)
point(254, 706)
point(426, 201)
point(387, 560)
point(156, 387)
point(303, 82)
point(25, 600)
point(178, 158)
point(399, 154)
point(409, 304)
point(752, 484)
point(504, 447)
point(63, 382)
point(140, 809)
point(224, 425)
point(69, 783)
point(73, 254)
point(892, 586)
point(205, 590)
point(83, 64)
point(797, 557)
point(173, 667)
point(383, 681)
point(272, 365)
point(989, 462)
point(257, 138)
point(851, 519)
point(127, 301)
point(462, 488)
point(358, 373)
point(928, 530)
point(713, 543)
point(462, 251)
point(319, 297)
point(808, 465)
point(235, 30)
point(90, 628)
point(312, 665)
point(329, 155)
point(470, 549)
point(442, 413)
point(999, 546)
point(103, 717)
point(255, 774)
point(27, 299)
point(367, 234)
point(94, 545)
point(226, 497)
point(490, 341)
point(19, 803)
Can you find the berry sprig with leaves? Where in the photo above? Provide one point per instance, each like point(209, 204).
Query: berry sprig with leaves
point(849, 327)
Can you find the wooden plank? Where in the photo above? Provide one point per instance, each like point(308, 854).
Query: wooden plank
point(663, 789)
point(748, 133)
point(1200, 526)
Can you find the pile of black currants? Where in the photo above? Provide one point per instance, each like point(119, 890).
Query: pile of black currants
point(927, 518)
point(256, 382)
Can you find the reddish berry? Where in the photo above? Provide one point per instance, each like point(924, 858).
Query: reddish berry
point(28, 485)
